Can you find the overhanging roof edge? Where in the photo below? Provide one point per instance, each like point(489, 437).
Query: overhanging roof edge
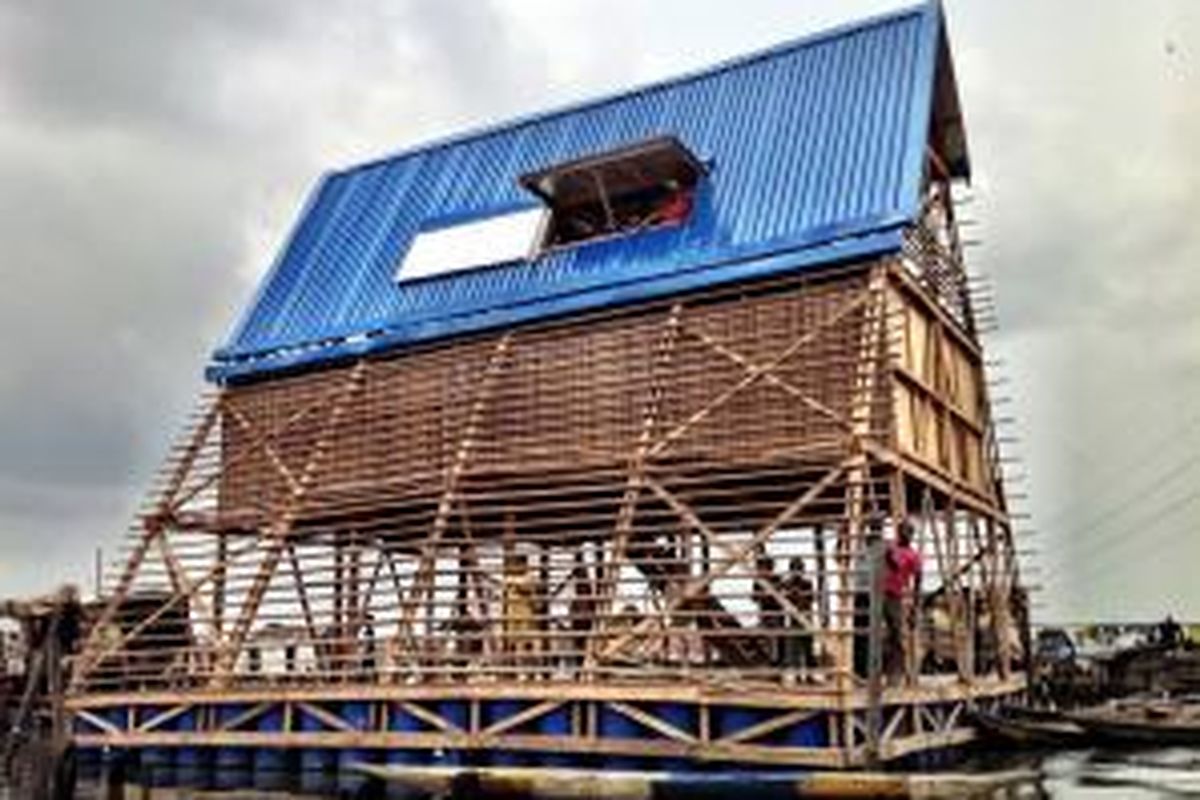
point(867, 244)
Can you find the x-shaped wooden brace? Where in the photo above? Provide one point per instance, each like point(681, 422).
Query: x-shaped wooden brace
point(736, 555)
point(152, 530)
point(278, 533)
point(648, 450)
point(423, 580)
point(755, 373)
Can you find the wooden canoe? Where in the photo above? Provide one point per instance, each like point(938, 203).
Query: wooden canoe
point(1143, 722)
point(1031, 728)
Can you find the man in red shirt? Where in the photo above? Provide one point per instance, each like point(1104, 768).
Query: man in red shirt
point(673, 209)
point(901, 584)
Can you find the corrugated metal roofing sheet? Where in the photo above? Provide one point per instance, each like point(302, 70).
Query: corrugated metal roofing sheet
point(814, 149)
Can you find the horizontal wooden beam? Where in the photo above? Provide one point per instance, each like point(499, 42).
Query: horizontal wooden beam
point(926, 691)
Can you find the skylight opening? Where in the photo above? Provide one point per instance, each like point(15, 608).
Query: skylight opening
point(648, 185)
point(478, 243)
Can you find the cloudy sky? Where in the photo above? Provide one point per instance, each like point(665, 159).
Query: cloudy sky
point(153, 156)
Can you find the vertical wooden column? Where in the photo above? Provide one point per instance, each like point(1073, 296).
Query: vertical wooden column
point(354, 586)
point(822, 577)
point(218, 588)
point(869, 353)
point(1005, 570)
point(875, 557)
point(337, 647)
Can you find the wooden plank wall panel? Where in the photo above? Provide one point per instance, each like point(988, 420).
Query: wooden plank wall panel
point(938, 400)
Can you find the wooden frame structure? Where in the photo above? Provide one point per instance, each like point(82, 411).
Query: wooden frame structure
point(637, 534)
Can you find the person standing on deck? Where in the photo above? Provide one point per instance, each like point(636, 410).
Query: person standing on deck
point(798, 644)
point(1170, 634)
point(901, 585)
point(770, 611)
point(366, 637)
point(581, 610)
point(520, 588)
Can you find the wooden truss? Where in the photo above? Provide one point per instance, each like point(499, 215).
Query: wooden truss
point(717, 726)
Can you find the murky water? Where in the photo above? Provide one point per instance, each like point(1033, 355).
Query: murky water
point(1071, 775)
point(1128, 774)
point(1106, 774)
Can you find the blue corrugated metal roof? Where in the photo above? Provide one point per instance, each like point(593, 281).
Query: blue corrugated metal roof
point(814, 149)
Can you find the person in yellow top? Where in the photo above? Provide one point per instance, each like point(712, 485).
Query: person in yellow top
point(520, 625)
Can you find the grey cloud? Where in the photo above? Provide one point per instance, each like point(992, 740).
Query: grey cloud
point(125, 62)
point(144, 147)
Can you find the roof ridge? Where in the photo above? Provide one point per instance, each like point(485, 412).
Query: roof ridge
point(734, 62)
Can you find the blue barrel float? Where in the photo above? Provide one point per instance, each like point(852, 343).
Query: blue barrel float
point(457, 713)
point(232, 764)
point(495, 711)
point(811, 732)
point(686, 718)
point(96, 760)
point(270, 763)
point(557, 723)
point(401, 721)
point(614, 725)
point(158, 763)
point(192, 763)
point(314, 760)
point(357, 714)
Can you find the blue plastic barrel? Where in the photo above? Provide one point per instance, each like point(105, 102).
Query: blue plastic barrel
point(357, 713)
point(314, 759)
point(686, 718)
point(557, 723)
point(270, 763)
point(456, 712)
point(158, 763)
point(402, 721)
point(493, 712)
point(613, 725)
point(192, 763)
point(232, 764)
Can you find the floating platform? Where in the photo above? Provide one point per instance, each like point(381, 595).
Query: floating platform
point(622, 505)
point(560, 725)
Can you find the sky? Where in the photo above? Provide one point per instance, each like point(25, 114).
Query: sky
point(153, 157)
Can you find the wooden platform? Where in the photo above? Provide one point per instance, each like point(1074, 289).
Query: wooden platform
point(742, 724)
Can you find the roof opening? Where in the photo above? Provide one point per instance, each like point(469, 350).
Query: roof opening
point(481, 242)
point(646, 185)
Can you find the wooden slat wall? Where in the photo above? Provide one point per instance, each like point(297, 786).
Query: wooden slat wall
point(939, 399)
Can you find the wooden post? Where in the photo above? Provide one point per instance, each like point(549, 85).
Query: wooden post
point(875, 551)
point(335, 647)
point(218, 588)
point(822, 578)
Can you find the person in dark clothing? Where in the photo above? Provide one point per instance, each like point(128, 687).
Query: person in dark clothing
point(367, 642)
point(581, 610)
point(1169, 632)
point(770, 612)
point(798, 644)
point(70, 616)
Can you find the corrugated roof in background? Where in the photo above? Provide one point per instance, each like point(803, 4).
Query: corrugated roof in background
point(808, 145)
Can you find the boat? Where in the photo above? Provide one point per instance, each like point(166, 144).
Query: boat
point(1030, 726)
point(1156, 721)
